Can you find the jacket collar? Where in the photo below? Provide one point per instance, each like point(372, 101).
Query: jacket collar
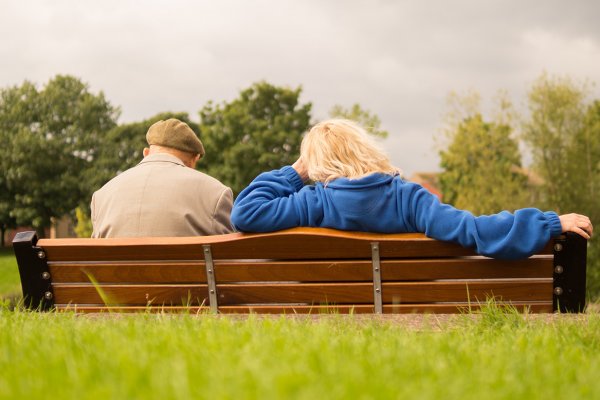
point(162, 157)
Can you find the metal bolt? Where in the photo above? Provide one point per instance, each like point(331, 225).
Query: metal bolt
point(376, 269)
point(46, 275)
point(41, 254)
point(375, 247)
point(558, 247)
point(377, 290)
point(559, 269)
point(48, 295)
point(558, 291)
point(206, 251)
point(212, 292)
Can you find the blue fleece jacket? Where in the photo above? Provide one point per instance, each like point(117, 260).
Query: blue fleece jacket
point(383, 203)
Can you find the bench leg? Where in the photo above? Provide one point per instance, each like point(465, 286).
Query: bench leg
point(570, 253)
point(36, 281)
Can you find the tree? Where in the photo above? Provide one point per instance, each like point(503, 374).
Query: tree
point(482, 164)
point(563, 132)
point(586, 153)
point(50, 138)
point(260, 130)
point(370, 121)
point(15, 108)
point(556, 134)
point(7, 221)
point(584, 170)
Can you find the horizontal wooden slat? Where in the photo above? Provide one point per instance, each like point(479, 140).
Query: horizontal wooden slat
point(446, 308)
point(353, 293)
point(303, 271)
point(466, 268)
point(405, 292)
point(391, 270)
point(311, 293)
point(505, 290)
point(317, 243)
point(131, 294)
point(128, 272)
point(100, 308)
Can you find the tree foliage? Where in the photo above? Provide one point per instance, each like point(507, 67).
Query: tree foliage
point(482, 166)
point(586, 152)
point(258, 131)
point(555, 132)
point(370, 121)
point(83, 226)
point(563, 132)
point(50, 138)
point(7, 220)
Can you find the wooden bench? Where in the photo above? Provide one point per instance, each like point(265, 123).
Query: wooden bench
point(301, 270)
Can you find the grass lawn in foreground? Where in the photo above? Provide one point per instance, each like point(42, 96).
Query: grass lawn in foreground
point(496, 356)
point(10, 284)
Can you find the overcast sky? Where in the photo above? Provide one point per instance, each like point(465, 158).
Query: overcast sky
point(399, 59)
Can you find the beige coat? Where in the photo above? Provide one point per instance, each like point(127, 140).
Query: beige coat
point(161, 197)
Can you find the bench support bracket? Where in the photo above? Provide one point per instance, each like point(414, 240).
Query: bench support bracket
point(210, 279)
point(570, 252)
point(377, 298)
point(36, 281)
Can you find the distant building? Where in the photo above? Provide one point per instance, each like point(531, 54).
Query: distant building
point(62, 228)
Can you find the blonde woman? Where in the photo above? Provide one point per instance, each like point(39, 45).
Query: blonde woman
point(358, 189)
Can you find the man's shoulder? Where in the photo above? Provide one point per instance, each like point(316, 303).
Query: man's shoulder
point(115, 180)
point(205, 179)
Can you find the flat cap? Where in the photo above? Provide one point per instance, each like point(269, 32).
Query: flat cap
point(175, 134)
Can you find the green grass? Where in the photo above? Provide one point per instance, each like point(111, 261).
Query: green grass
point(497, 356)
point(9, 274)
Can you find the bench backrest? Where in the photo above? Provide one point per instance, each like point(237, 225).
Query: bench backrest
point(294, 271)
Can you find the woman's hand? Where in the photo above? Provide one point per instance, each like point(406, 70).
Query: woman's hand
point(301, 169)
point(577, 223)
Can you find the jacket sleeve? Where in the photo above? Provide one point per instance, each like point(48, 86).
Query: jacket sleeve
point(222, 213)
point(276, 200)
point(503, 235)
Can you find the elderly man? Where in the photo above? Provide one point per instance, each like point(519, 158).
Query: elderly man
point(163, 195)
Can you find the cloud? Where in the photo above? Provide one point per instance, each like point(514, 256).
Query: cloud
point(399, 59)
point(577, 56)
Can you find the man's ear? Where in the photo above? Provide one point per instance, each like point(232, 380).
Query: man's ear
point(146, 152)
point(194, 161)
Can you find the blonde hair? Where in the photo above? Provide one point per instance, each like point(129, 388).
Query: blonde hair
point(338, 148)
